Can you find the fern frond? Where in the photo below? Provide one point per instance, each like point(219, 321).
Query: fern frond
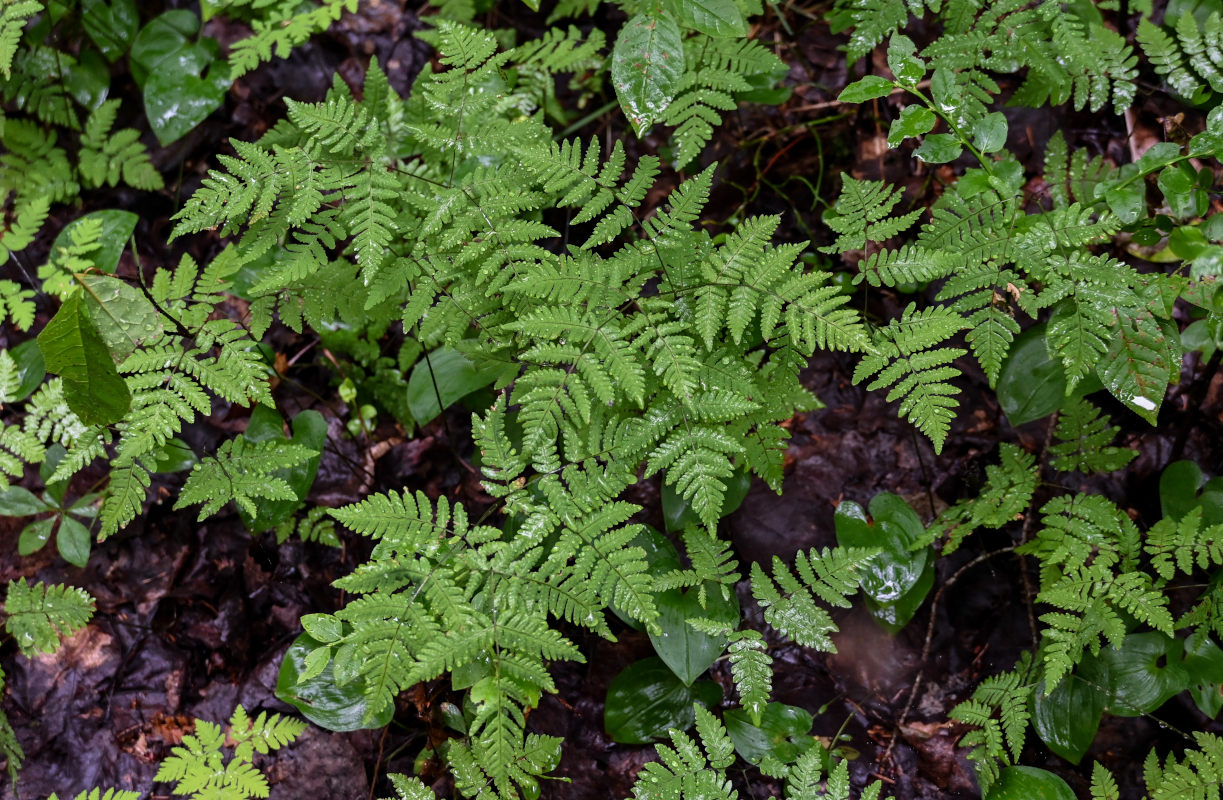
point(790, 603)
point(1084, 439)
point(39, 615)
point(242, 471)
point(905, 358)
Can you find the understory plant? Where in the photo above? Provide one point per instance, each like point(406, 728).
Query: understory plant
point(453, 241)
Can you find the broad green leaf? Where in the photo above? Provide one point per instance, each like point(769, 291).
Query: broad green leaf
point(939, 148)
point(1067, 718)
point(647, 67)
point(175, 102)
point(687, 651)
point(718, 18)
point(989, 132)
point(1179, 487)
point(678, 513)
point(18, 502)
point(35, 536)
point(447, 373)
point(1139, 363)
point(914, 120)
point(183, 81)
point(1127, 201)
point(895, 581)
point(111, 24)
point(175, 456)
point(117, 228)
point(646, 700)
point(1029, 783)
point(868, 88)
point(123, 316)
point(73, 350)
point(783, 733)
point(88, 80)
point(31, 368)
point(1032, 384)
point(309, 430)
point(904, 62)
point(1204, 665)
point(660, 554)
point(73, 541)
point(1143, 674)
point(319, 698)
point(160, 42)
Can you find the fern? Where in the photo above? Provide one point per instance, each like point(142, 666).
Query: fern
point(790, 602)
point(285, 28)
point(1084, 439)
point(1008, 490)
point(200, 768)
point(39, 615)
point(905, 360)
point(1190, 62)
point(242, 472)
point(1197, 773)
point(999, 711)
point(14, 14)
point(107, 157)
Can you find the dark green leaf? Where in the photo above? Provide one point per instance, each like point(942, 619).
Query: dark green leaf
point(88, 80)
point(782, 733)
point(117, 228)
point(1031, 384)
point(914, 120)
point(868, 88)
point(111, 24)
point(678, 513)
point(687, 651)
point(31, 368)
point(903, 61)
point(647, 67)
point(35, 536)
point(73, 541)
point(939, 148)
point(447, 373)
point(18, 502)
point(1179, 493)
point(175, 101)
point(175, 456)
point(309, 430)
point(889, 578)
point(161, 41)
point(320, 699)
point(1067, 718)
point(1144, 673)
point(1127, 201)
point(73, 350)
point(646, 700)
point(718, 18)
point(989, 132)
point(123, 316)
point(1029, 783)
point(1204, 665)
point(660, 554)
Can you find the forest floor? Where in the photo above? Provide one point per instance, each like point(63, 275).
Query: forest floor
point(194, 618)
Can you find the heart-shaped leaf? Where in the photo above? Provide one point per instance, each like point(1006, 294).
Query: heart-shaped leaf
point(111, 24)
point(783, 733)
point(320, 699)
point(1067, 718)
point(895, 582)
point(1029, 783)
point(647, 699)
point(687, 651)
